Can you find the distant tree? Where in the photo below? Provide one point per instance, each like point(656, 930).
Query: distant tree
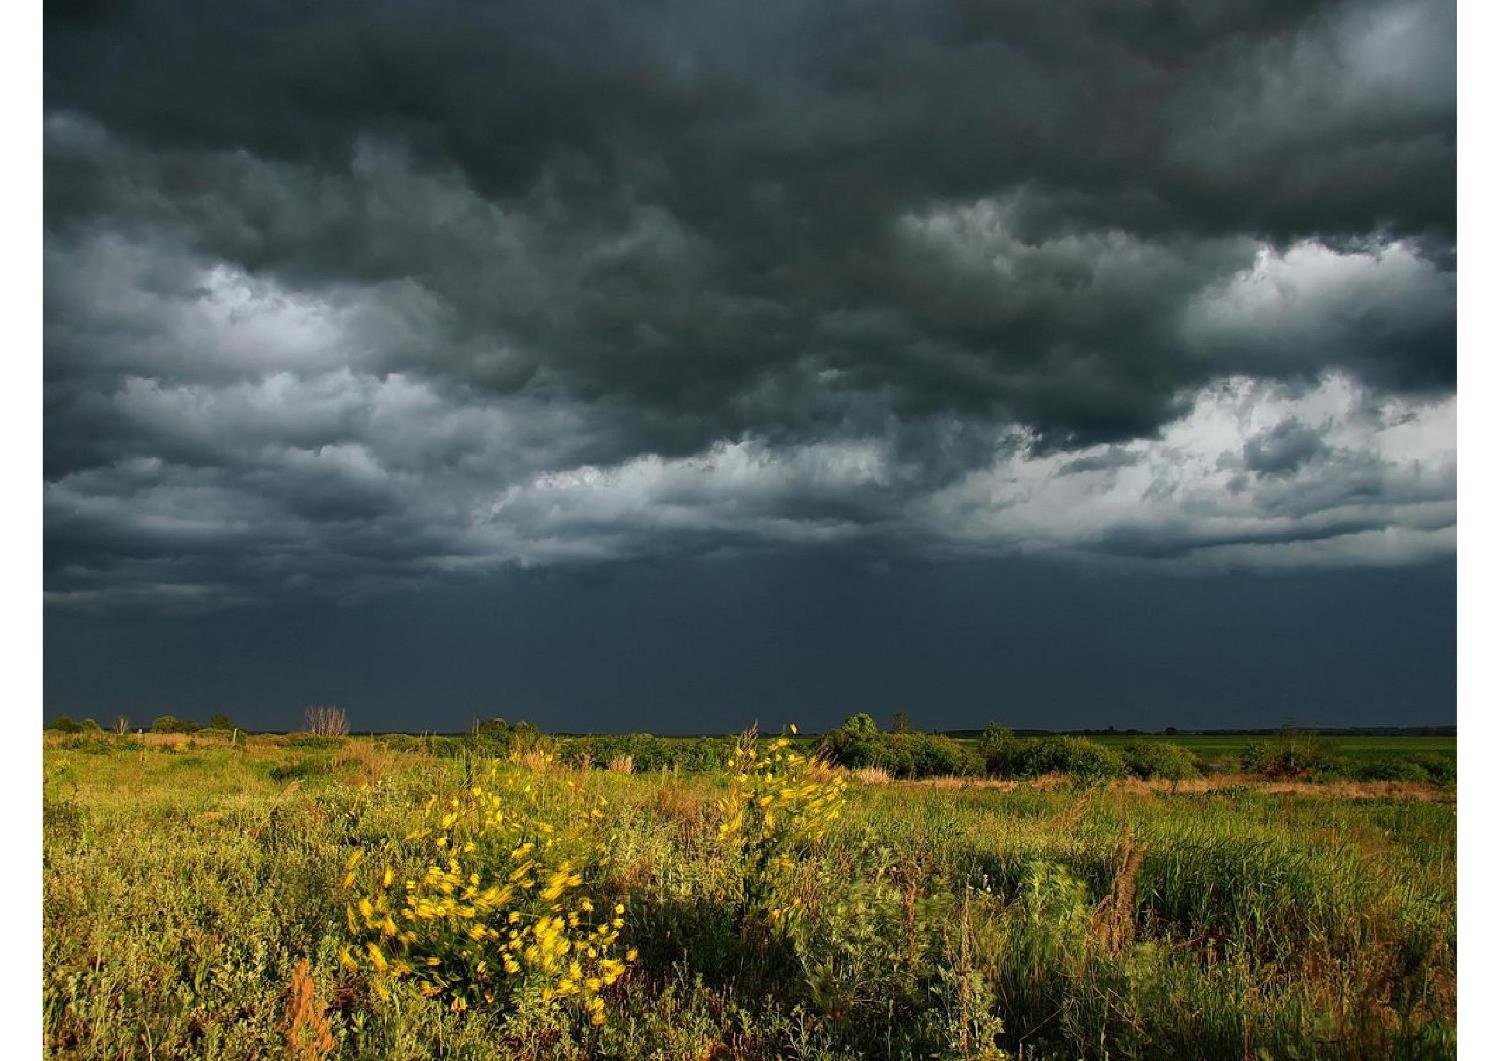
point(168, 724)
point(121, 725)
point(901, 723)
point(859, 725)
point(1170, 731)
point(91, 726)
point(496, 728)
point(220, 721)
point(327, 721)
point(997, 747)
point(64, 724)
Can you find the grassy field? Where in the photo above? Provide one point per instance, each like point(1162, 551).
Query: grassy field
point(216, 901)
point(1224, 747)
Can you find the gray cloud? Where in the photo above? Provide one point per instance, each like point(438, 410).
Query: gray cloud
point(352, 296)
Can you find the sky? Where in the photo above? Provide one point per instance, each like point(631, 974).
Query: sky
point(677, 366)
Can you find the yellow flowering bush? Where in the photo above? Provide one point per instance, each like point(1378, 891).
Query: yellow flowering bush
point(780, 802)
point(499, 912)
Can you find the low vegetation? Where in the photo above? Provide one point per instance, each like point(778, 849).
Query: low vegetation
point(352, 897)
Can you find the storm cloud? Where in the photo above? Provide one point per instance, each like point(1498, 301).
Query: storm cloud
point(342, 297)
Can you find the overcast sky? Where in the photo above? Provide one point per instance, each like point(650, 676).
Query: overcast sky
point(677, 365)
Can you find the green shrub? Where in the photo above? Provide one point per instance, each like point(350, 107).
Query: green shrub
point(88, 743)
point(1419, 769)
point(172, 724)
point(926, 755)
point(857, 744)
point(495, 738)
point(311, 740)
point(1440, 769)
point(64, 724)
point(649, 753)
point(1171, 762)
point(1293, 753)
point(1033, 757)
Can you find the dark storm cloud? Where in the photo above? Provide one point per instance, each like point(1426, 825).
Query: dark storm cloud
point(1283, 448)
point(345, 293)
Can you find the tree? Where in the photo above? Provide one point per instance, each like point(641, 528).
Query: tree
point(122, 725)
point(167, 724)
point(327, 721)
point(64, 724)
point(901, 723)
point(220, 721)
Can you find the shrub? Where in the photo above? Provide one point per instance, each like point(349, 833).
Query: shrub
point(926, 755)
point(858, 745)
point(779, 804)
point(64, 724)
point(998, 748)
point(1033, 757)
point(1293, 753)
point(1440, 770)
point(1434, 769)
point(496, 917)
point(649, 753)
point(310, 740)
point(495, 738)
point(172, 724)
point(1388, 769)
point(1171, 762)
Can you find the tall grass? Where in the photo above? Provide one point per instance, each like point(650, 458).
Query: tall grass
point(193, 910)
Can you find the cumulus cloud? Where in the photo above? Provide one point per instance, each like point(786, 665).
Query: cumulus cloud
point(349, 296)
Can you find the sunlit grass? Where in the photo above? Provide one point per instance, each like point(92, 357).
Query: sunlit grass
point(184, 887)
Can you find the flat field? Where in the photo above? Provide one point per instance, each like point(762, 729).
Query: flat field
point(1227, 747)
point(359, 899)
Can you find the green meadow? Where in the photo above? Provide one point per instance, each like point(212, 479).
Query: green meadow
point(1228, 746)
point(372, 897)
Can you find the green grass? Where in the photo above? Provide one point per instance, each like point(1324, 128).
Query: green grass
point(1226, 747)
point(183, 887)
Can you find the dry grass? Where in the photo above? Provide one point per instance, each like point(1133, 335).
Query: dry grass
point(535, 760)
point(622, 764)
point(1114, 919)
point(1334, 789)
point(368, 761)
point(308, 1034)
